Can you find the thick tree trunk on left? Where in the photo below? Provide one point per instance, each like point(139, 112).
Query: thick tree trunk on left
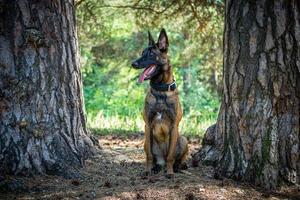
point(42, 122)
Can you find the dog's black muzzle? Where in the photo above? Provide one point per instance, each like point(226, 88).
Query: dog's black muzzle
point(148, 58)
point(143, 63)
point(135, 64)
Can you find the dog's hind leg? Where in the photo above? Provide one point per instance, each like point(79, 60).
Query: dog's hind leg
point(181, 154)
point(183, 147)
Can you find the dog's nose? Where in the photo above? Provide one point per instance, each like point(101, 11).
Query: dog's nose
point(134, 64)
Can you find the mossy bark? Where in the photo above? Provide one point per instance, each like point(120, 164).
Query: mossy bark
point(256, 137)
point(42, 122)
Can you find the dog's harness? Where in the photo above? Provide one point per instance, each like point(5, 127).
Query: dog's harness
point(163, 86)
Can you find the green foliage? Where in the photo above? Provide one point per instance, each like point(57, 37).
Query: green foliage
point(113, 33)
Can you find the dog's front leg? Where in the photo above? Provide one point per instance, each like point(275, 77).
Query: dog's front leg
point(147, 148)
point(173, 142)
point(172, 151)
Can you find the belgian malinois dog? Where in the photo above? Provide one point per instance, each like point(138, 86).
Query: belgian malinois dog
point(162, 110)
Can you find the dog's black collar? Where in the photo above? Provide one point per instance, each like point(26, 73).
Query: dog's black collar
point(163, 86)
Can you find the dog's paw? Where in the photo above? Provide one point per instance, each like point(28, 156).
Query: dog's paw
point(156, 169)
point(176, 168)
point(183, 166)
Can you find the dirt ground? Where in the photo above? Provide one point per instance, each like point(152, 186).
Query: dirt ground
point(116, 173)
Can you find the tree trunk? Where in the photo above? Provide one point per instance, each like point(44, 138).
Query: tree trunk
point(256, 137)
point(42, 121)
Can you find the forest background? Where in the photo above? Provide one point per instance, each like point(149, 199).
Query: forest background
point(113, 33)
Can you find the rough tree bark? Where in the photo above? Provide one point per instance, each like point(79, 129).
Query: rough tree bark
point(256, 137)
point(42, 122)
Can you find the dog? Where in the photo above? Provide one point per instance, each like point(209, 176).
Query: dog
point(162, 110)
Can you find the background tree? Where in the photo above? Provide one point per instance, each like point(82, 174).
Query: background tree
point(256, 137)
point(42, 122)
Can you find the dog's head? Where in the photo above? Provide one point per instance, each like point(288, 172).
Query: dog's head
point(154, 58)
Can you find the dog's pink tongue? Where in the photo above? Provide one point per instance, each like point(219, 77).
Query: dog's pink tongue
point(146, 73)
point(142, 77)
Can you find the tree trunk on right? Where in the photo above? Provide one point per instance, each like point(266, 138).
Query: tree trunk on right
point(256, 137)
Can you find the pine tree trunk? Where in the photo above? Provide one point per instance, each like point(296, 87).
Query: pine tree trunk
point(256, 137)
point(42, 121)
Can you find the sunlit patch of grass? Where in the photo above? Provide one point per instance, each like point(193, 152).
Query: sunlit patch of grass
point(115, 122)
point(190, 128)
point(108, 125)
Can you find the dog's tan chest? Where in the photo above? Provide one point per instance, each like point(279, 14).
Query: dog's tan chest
point(161, 132)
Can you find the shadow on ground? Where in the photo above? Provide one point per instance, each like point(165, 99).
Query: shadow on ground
point(115, 173)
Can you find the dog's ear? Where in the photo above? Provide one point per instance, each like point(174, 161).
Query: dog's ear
point(151, 40)
point(163, 42)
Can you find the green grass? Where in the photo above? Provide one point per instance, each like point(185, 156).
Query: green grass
point(116, 122)
point(110, 125)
